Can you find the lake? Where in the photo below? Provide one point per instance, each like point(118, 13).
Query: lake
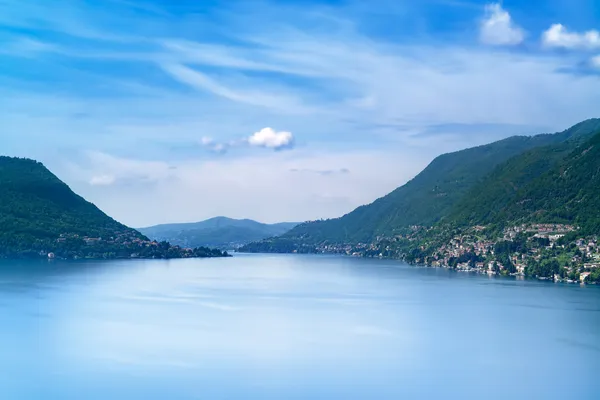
point(291, 327)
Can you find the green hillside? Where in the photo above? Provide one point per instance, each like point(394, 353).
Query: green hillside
point(431, 195)
point(39, 214)
point(219, 232)
point(487, 200)
point(35, 204)
point(568, 193)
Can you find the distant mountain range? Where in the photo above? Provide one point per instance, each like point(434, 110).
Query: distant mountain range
point(544, 178)
point(40, 216)
point(218, 232)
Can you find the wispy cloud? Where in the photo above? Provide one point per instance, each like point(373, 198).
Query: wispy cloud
point(102, 180)
point(26, 47)
point(498, 28)
point(118, 170)
point(559, 36)
point(202, 81)
point(322, 172)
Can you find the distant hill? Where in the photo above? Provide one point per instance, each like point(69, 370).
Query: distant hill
point(466, 185)
point(39, 214)
point(219, 232)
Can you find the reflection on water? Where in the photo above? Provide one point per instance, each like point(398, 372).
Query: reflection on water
point(293, 327)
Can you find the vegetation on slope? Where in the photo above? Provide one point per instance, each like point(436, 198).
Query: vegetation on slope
point(35, 204)
point(486, 201)
point(39, 214)
point(569, 192)
point(434, 193)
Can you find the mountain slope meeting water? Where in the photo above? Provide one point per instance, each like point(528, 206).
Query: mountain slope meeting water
point(41, 216)
point(536, 214)
point(433, 194)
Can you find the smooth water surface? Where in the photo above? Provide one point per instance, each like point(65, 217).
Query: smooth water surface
point(291, 327)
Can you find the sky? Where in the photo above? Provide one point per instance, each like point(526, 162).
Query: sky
point(171, 111)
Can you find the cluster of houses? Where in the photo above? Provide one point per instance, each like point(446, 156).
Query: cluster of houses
point(555, 231)
point(123, 238)
point(125, 244)
point(474, 251)
point(587, 259)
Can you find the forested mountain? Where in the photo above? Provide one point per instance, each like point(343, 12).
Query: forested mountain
point(567, 193)
point(39, 214)
point(486, 202)
point(434, 193)
point(35, 204)
point(219, 232)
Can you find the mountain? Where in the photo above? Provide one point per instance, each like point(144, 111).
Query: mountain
point(219, 232)
point(39, 214)
point(437, 191)
point(567, 193)
point(487, 200)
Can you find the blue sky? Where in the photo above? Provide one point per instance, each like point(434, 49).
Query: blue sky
point(163, 111)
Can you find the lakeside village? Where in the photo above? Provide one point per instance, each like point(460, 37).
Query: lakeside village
point(121, 245)
point(543, 251)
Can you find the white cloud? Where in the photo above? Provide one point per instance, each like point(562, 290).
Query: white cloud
point(266, 137)
point(498, 29)
point(559, 36)
point(269, 138)
point(102, 180)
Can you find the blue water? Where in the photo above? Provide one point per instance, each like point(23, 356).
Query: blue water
point(291, 327)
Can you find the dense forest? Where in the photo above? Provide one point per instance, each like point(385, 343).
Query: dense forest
point(41, 215)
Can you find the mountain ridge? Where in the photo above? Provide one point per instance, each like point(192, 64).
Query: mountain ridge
point(220, 232)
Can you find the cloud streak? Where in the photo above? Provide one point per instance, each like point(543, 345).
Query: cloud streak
point(322, 172)
point(262, 98)
point(102, 180)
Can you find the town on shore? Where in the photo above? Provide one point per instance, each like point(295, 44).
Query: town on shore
point(122, 245)
point(544, 251)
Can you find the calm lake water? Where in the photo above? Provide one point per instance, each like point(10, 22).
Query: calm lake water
point(291, 327)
